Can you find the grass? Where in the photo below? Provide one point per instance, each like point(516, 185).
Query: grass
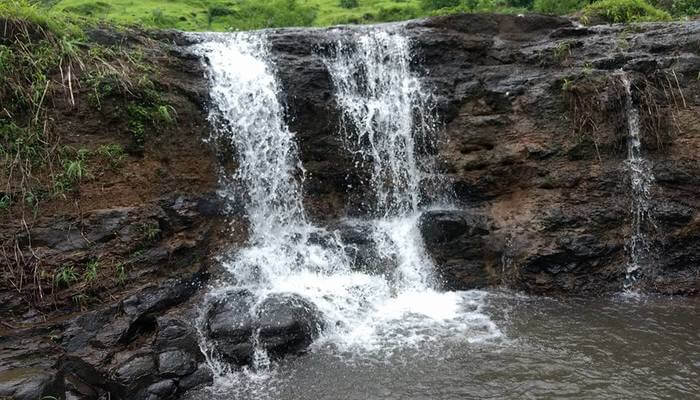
point(223, 15)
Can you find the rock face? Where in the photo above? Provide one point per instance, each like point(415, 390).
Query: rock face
point(534, 144)
point(281, 324)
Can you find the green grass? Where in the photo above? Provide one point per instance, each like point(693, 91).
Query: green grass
point(223, 15)
point(227, 15)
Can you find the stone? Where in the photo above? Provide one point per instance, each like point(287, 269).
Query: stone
point(134, 369)
point(201, 376)
point(162, 390)
point(176, 363)
point(287, 323)
point(31, 384)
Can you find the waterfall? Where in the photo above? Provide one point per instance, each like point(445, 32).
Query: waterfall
point(381, 100)
point(641, 180)
point(386, 115)
point(364, 312)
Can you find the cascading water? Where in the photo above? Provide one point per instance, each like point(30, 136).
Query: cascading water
point(386, 116)
point(641, 180)
point(364, 313)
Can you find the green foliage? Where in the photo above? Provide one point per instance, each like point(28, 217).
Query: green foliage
point(120, 271)
point(91, 270)
point(113, 153)
point(558, 7)
point(349, 3)
point(98, 8)
point(53, 21)
point(74, 171)
point(254, 14)
point(5, 202)
point(65, 276)
point(562, 52)
point(622, 11)
point(685, 7)
point(438, 4)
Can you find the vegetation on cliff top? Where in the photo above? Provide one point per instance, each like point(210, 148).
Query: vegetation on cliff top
point(222, 15)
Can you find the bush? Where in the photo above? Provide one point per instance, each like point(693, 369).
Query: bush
point(438, 4)
point(685, 7)
point(349, 3)
point(391, 14)
point(558, 7)
point(616, 11)
point(254, 14)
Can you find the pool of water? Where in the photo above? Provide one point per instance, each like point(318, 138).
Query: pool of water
point(612, 348)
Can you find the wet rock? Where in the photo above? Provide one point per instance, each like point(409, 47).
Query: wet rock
point(230, 324)
point(162, 390)
point(139, 367)
point(357, 236)
point(31, 384)
point(176, 363)
point(284, 324)
point(201, 376)
point(457, 241)
point(287, 324)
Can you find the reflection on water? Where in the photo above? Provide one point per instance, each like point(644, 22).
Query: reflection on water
point(624, 347)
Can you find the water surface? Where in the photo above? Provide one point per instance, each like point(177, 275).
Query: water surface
point(622, 347)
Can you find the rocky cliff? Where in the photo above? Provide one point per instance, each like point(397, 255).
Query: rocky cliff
point(533, 143)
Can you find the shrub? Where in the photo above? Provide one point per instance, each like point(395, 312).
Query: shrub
point(438, 4)
point(685, 7)
point(558, 7)
point(349, 3)
point(390, 14)
point(254, 14)
point(616, 11)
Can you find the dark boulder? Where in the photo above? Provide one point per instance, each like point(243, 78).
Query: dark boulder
point(230, 325)
point(283, 323)
point(287, 324)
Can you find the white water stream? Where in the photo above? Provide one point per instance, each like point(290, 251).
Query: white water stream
point(641, 180)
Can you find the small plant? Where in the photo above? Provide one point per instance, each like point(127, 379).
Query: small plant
point(5, 202)
point(66, 275)
point(587, 68)
point(75, 170)
point(562, 52)
point(165, 113)
point(567, 85)
point(150, 231)
point(80, 299)
point(91, 270)
point(121, 272)
point(114, 153)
